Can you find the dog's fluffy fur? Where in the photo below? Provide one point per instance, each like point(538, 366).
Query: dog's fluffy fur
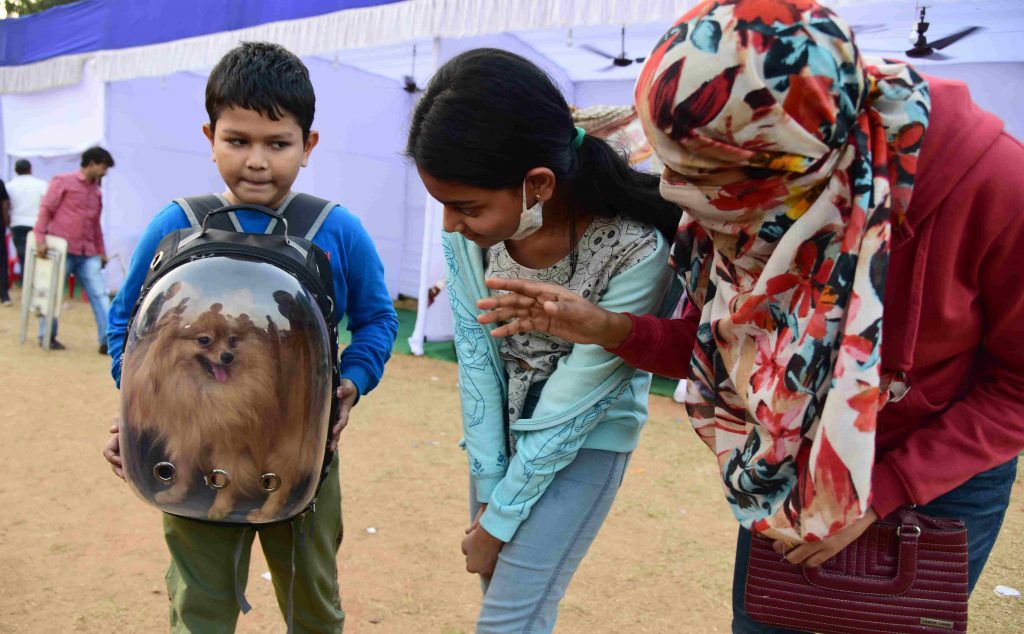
point(219, 392)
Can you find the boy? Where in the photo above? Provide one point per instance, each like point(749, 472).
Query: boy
point(260, 102)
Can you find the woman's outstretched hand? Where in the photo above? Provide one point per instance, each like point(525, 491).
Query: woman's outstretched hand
point(536, 306)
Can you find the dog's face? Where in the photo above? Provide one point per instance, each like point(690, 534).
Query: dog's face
point(215, 349)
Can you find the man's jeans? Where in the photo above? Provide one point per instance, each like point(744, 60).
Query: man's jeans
point(980, 502)
point(88, 271)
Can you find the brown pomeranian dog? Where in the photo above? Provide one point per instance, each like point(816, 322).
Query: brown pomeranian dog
point(230, 404)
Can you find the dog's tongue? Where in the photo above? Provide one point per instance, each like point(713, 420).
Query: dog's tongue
point(220, 373)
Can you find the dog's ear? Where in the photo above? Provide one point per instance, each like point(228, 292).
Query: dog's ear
point(244, 323)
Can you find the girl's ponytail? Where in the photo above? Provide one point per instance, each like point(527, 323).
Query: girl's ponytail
point(605, 184)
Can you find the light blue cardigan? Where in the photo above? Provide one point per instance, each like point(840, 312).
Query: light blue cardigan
point(593, 400)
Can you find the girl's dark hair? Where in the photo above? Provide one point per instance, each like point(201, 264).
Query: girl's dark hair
point(489, 116)
point(264, 77)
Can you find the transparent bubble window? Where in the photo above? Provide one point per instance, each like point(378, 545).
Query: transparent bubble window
point(226, 393)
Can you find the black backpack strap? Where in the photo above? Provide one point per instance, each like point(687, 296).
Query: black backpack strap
point(305, 215)
point(196, 208)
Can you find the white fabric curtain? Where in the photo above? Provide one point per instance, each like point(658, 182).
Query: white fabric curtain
point(57, 122)
point(354, 28)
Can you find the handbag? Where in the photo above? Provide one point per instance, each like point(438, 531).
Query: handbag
point(906, 574)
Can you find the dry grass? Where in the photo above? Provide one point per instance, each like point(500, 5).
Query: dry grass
point(79, 553)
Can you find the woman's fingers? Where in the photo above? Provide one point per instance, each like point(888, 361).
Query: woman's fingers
point(502, 314)
point(799, 554)
point(526, 324)
point(528, 288)
point(509, 300)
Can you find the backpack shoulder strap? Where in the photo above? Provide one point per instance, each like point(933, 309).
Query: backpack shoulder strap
point(196, 208)
point(305, 215)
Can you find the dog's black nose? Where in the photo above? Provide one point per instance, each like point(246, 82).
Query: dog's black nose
point(226, 358)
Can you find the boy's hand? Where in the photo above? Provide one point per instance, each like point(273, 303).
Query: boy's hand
point(112, 452)
point(347, 394)
point(481, 550)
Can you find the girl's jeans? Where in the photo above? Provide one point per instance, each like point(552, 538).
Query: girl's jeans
point(535, 568)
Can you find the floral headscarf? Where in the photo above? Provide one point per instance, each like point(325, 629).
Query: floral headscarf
point(791, 156)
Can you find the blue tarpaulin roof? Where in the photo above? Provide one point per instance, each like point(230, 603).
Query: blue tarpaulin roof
point(94, 25)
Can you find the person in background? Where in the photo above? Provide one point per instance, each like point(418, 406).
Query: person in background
point(71, 209)
point(5, 219)
point(26, 192)
point(831, 202)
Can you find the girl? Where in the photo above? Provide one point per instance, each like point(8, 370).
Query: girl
point(548, 426)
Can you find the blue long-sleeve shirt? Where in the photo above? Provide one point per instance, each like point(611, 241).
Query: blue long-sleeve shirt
point(360, 292)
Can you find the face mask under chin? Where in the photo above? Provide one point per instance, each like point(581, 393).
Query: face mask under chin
point(530, 220)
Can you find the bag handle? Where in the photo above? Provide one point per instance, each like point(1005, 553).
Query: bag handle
point(908, 535)
point(260, 208)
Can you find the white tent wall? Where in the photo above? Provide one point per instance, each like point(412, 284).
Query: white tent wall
point(154, 132)
point(998, 88)
point(362, 120)
point(604, 93)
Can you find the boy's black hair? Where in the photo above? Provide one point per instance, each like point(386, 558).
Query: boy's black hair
point(97, 155)
point(265, 78)
point(489, 116)
point(22, 167)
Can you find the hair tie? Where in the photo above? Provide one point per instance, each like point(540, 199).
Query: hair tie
point(578, 140)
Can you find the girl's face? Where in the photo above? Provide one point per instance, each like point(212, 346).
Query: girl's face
point(484, 216)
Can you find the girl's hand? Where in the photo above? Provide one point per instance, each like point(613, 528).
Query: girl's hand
point(476, 520)
point(481, 550)
point(536, 306)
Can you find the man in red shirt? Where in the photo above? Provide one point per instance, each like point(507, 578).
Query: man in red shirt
point(71, 210)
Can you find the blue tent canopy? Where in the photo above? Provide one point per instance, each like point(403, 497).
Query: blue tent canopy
point(94, 25)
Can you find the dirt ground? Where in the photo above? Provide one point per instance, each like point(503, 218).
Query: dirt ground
point(79, 553)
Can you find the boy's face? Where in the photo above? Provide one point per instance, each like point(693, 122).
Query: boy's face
point(257, 157)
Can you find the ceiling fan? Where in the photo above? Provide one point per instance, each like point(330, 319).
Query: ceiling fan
point(409, 81)
point(621, 61)
point(924, 48)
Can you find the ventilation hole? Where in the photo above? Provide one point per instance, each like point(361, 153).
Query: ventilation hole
point(217, 479)
point(156, 260)
point(270, 482)
point(164, 472)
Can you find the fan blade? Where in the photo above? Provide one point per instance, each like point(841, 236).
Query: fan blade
point(938, 55)
point(859, 29)
point(639, 59)
point(606, 68)
point(597, 51)
point(953, 39)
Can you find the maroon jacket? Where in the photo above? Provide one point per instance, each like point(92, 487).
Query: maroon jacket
point(954, 311)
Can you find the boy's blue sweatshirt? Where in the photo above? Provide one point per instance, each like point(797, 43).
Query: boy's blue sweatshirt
point(359, 289)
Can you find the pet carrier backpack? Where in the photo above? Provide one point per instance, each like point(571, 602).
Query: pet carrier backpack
point(229, 373)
